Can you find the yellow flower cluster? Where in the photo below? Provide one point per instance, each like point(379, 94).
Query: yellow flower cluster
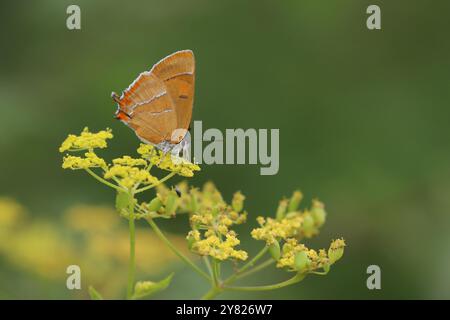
point(216, 247)
point(292, 250)
point(214, 217)
point(167, 161)
point(291, 223)
point(129, 161)
point(126, 172)
point(91, 160)
point(271, 229)
point(336, 250)
point(12, 214)
point(130, 176)
point(86, 140)
point(297, 257)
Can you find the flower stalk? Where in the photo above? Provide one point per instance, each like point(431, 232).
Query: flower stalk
point(132, 262)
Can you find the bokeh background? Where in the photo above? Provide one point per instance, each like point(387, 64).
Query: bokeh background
point(363, 118)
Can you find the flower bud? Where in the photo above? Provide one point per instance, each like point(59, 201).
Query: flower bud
point(295, 200)
point(336, 250)
point(238, 201)
point(146, 288)
point(142, 287)
point(154, 205)
point(122, 200)
point(281, 211)
point(301, 261)
point(274, 250)
point(192, 237)
point(308, 225)
point(318, 212)
point(171, 203)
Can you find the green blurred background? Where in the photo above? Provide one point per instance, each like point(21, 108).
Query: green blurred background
point(363, 118)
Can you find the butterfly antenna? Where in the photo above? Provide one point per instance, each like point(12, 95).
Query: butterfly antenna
point(115, 97)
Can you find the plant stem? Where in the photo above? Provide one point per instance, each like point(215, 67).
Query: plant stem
point(170, 175)
point(211, 294)
point(208, 266)
point(132, 262)
point(297, 278)
point(259, 267)
point(109, 184)
point(216, 273)
point(175, 250)
point(249, 264)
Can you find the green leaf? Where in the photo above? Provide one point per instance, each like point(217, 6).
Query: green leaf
point(145, 288)
point(94, 294)
point(122, 200)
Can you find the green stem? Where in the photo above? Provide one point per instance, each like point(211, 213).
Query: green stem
point(216, 273)
point(208, 266)
point(170, 175)
point(132, 262)
point(211, 294)
point(297, 278)
point(176, 251)
point(109, 184)
point(259, 267)
point(249, 264)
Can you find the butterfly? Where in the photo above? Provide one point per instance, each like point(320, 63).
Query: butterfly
point(158, 104)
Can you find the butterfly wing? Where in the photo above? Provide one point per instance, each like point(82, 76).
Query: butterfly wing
point(143, 90)
point(177, 71)
point(155, 120)
point(160, 101)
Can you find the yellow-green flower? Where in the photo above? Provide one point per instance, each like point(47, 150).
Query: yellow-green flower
point(219, 249)
point(271, 229)
point(129, 161)
point(90, 160)
point(212, 219)
point(167, 161)
point(146, 150)
point(175, 164)
point(336, 250)
point(297, 257)
point(12, 213)
point(291, 224)
point(130, 176)
point(86, 140)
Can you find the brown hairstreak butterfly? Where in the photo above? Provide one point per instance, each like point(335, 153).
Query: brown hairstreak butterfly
point(158, 104)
